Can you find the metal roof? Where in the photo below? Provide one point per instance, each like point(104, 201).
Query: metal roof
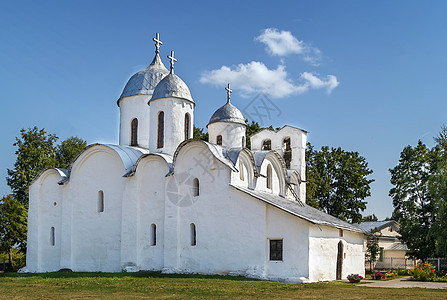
point(172, 87)
point(398, 247)
point(305, 212)
point(227, 113)
point(376, 225)
point(145, 81)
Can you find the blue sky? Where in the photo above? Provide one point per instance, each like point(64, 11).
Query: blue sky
point(367, 76)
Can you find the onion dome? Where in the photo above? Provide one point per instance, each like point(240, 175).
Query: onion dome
point(172, 86)
point(145, 81)
point(228, 112)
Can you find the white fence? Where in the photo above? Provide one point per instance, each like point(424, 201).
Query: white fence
point(392, 263)
point(439, 263)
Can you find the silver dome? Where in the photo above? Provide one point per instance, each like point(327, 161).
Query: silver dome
point(228, 113)
point(172, 86)
point(145, 81)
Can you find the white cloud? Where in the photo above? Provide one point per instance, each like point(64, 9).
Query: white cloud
point(255, 77)
point(282, 43)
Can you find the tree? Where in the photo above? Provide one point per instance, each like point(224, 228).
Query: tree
point(337, 182)
point(37, 150)
point(370, 218)
point(438, 190)
point(372, 248)
point(67, 151)
point(198, 134)
point(412, 200)
point(13, 222)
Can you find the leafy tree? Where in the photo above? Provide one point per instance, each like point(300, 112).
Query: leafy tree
point(438, 189)
point(412, 200)
point(370, 218)
point(337, 182)
point(372, 248)
point(37, 150)
point(251, 129)
point(198, 134)
point(13, 222)
point(67, 150)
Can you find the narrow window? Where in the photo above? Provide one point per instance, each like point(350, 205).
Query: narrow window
point(241, 171)
point(243, 142)
point(219, 140)
point(52, 237)
point(286, 144)
point(193, 234)
point(267, 145)
point(275, 249)
point(186, 126)
point(340, 232)
point(269, 177)
point(287, 151)
point(153, 235)
point(134, 133)
point(381, 254)
point(161, 129)
point(195, 187)
point(100, 201)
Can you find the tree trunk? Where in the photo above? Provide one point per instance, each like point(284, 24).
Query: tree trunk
point(10, 257)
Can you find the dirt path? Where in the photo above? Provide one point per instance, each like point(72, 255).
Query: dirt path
point(404, 283)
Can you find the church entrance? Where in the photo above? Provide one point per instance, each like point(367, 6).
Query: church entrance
point(339, 260)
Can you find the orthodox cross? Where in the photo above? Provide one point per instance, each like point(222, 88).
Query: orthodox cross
point(228, 93)
point(157, 41)
point(173, 59)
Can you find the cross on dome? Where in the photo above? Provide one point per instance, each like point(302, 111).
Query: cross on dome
point(158, 43)
point(172, 59)
point(229, 91)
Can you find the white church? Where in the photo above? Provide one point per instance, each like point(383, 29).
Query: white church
point(163, 201)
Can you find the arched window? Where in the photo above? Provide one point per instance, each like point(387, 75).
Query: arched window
point(153, 235)
point(241, 171)
point(269, 177)
point(267, 145)
point(219, 140)
point(161, 129)
point(187, 120)
point(195, 187)
point(134, 133)
point(287, 152)
point(52, 237)
point(193, 234)
point(100, 201)
point(243, 141)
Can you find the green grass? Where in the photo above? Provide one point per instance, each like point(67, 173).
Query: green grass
point(150, 285)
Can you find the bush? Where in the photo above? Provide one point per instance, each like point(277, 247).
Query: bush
point(423, 272)
point(354, 277)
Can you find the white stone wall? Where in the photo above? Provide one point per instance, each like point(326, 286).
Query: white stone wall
point(96, 236)
point(298, 139)
point(174, 123)
point(130, 108)
point(233, 229)
point(323, 249)
point(45, 207)
point(232, 134)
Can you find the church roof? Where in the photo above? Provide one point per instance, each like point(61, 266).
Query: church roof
point(145, 81)
point(228, 113)
point(305, 212)
point(172, 87)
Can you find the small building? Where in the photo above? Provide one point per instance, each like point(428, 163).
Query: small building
point(392, 253)
point(163, 201)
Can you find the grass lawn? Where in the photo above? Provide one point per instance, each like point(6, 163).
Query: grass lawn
point(149, 285)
